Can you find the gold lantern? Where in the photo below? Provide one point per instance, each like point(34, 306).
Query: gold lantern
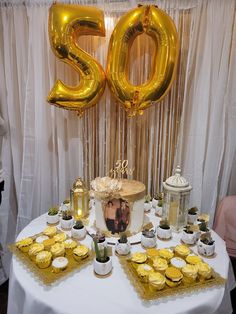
point(176, 200)
point(79, 199)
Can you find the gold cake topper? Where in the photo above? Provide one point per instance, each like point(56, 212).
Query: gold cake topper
point(121, 168)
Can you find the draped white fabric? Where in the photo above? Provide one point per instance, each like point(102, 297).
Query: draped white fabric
point(46, 148)
point(206, 140)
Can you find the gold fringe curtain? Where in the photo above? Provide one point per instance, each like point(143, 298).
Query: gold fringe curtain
point(147, 141)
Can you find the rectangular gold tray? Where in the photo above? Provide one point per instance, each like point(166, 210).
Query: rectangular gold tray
point(147, 293)
point(47, 276)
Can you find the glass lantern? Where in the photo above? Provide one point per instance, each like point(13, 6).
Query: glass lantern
point(79, 199)
point(176, 200)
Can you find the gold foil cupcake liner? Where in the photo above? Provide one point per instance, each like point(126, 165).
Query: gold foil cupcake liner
point(47, 276)
point(147, 293)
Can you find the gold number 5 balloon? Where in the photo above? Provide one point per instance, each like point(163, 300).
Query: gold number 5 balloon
point(66, 23)
point(159, 26)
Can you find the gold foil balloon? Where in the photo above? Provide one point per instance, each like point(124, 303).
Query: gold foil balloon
point(160, 27)
point(66, 23)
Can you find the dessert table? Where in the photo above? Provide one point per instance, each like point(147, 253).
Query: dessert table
point(83, 292)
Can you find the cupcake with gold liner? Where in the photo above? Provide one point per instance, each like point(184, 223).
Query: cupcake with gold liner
point(193, 259)
point(166, 254)
point(182, 251)
point(173, 276)
point(50, 231)
point(34, 249)
point(41, 238)
point(177, 262)
point(160, 264)
point(152, 253)
point(156, 281)
point(80, 252)
point(48, 243)
point(58, 250)
point(43, 259)
point(24, 244)
point(70, 245)
point(59, 264)
point(143, 271)
point(190, 273)
point(139, 257)
point(204, 271)
point(60, 237)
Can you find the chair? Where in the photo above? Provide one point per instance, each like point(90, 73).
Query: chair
point(225, 223)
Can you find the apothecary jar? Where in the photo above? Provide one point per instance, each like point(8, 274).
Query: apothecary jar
point(176, 200)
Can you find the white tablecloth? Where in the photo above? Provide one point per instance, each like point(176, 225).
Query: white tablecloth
point(84, 293)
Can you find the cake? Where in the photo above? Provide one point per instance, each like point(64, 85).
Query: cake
point(50, 231)
point(156, 280)
point(34, 249)
point(166, 253)
point(59, 264)
point(143, 271)
point(119, 205)
point(24, 244)
point(70, 245)
point(204, 271)
point(173, 276)
point(182, 250)
point(193, 259)
point(60, 237)
point(43, 259)
point(139, 258)
point(80, 252)
point(48, 243)
point(160, 264)
point(178, 262)
point(58, 249)
point(41, 238)
point(190, 273)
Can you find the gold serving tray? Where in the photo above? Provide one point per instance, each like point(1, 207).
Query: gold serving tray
point(47, 276)
point(147, 293)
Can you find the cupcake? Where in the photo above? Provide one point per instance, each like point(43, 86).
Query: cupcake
point(80, 252)
point(204, 271)
point(143, 271)
point(190, 273)
point(160, 264)
point(60, 237)
point(182, 250)
point(59, 264)
point(156, 280)
point(193, 259)
point(173, 276)
point(70, 245)
point(152, 253)
point(57, 250)
point(50, 231)
point(166, 253)
point(40, 239)
point(43, 259)
point(24, 245)
point(139, 258)
point(34, 249)
point(48, 243)
point(178, 262)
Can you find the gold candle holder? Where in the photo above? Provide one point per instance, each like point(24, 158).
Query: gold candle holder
point(79, 199)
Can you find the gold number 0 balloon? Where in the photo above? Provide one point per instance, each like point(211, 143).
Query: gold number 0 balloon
point(157, 24)
point(66, 23)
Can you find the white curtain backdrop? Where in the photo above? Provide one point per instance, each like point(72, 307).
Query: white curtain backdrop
point(206, 140)
point(46, 148)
